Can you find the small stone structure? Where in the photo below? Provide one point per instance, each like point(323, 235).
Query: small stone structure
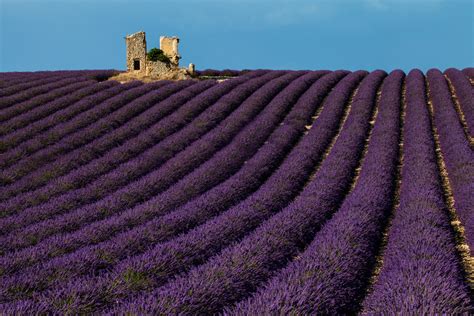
point(192, 69)
point(138, 66)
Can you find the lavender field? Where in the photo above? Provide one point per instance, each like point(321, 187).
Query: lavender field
point(272, 192)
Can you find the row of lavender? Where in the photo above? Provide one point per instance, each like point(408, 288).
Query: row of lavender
point(45, 139)
point(136, 126)
point(220, 73)
point(247, 176)
point(256, 98)
point(270, 108)
point(239, 269)
point(156, 180)
point(283, 132)
point(106, 116)
point(332, 274)
point(34, 83)
point(125, 220)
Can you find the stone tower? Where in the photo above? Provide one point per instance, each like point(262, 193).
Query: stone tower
point(136, 52)
point(169, 46)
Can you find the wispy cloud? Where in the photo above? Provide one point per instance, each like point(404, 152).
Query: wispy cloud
point(246, 14)
point(387, 4)
point(287, 13)
point(377, 4)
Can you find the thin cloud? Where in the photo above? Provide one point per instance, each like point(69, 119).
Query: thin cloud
point(377, 4)
point(387, 4)
point(245, 14)
point(290, 14)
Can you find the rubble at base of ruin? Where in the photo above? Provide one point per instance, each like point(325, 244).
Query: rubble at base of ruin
point(177, 74)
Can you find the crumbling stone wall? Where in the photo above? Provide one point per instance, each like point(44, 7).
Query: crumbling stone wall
point(136, 51)
point(169, 46)
point(156, 68)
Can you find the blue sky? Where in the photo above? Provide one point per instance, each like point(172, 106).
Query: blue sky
point(241, 34)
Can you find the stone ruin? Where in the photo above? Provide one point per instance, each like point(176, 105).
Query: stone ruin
point(169, 46)
point(138, 67)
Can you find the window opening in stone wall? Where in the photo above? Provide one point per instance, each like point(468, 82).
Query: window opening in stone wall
point(136, 65)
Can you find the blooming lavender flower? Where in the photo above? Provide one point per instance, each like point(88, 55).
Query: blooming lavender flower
point(272, 192)
point(456, 151)
point(420, 272)
point(238, 269)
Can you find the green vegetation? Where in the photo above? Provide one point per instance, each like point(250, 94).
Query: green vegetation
point(156, 54)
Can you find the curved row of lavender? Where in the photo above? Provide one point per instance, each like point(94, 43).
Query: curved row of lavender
point(85, 260)
point(456, 151)
point(220, 73)
point(146, 137)
point(131, 129)
point(231, 125)
point(469, 72)
point(126, 111)
point(54, 243)
point(420, 265)
point(41, 224)
point(114, 223)
point(267, 193)
point(27, 87)
point(332, 274)
point(51, 132)
point(23, 140)
point(465, 94)
point(10, 115)
point(251, 261)
point(105, 144)
point(353, 232)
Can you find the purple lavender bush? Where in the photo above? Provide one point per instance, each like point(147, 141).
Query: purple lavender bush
point(421, 272)
point(270, 192)
point(456, 150)
point(330, 275)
